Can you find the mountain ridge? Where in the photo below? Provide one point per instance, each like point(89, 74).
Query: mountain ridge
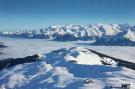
point(102, 34)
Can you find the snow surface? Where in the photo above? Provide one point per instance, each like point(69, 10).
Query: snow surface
point(85, 58)
point(55, 72)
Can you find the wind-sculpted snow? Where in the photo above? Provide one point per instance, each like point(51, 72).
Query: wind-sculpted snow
point(56, 71)
point(107, 34)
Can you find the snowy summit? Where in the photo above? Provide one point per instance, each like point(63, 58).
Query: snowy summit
point(68, 68)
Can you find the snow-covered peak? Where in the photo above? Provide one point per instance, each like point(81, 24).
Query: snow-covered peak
point(111, 29)
point(96, 32)
point(84, 56)
point(130, 35)
point(54, 72)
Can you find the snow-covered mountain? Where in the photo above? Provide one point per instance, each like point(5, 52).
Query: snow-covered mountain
point(67, 68)
point(101, 34)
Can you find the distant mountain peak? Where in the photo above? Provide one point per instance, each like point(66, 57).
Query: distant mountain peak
point(120, 34)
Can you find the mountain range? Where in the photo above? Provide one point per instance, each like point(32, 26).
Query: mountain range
point(98, 34)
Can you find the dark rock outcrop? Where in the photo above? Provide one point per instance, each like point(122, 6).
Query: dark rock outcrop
point(2, 45)
point(6, 63)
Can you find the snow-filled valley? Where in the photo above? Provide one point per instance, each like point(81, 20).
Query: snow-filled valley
point(67, 65)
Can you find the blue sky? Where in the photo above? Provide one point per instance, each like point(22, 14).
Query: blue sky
point(31, 14)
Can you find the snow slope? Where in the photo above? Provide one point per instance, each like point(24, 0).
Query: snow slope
point(85, 57)
point(58, 71)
